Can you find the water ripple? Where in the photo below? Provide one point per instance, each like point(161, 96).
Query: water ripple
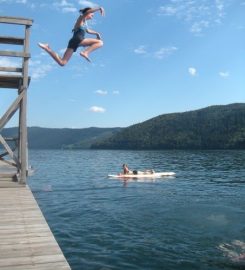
point(173, 223)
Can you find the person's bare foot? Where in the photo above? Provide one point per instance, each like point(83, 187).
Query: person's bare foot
point(44, 46)
point(85, 55)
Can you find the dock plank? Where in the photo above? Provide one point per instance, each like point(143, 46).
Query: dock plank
point(44, 266)
point(26, 241)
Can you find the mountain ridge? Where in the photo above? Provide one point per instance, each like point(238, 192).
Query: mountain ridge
point(62, 138)
point(213, 127)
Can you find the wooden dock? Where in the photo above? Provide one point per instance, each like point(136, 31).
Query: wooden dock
point(26, 241)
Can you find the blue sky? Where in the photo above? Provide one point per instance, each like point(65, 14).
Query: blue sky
point(159, 56)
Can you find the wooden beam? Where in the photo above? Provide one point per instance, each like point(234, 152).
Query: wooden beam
point(15, 20)
point(23, 112)
point(11, 111)
point(9, 162)
point(15, 54)
point(11, 81)
point(10, 152)
point(12, 40)
point(11, 69)
point(10, 139)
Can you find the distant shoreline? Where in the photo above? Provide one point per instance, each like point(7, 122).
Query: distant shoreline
point(213, 128)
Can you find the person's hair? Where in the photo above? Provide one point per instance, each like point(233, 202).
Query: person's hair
point(84, 10)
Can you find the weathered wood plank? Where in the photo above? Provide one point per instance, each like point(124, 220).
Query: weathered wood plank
point(9, 150)
point(31, 260)
point(15, 54)
point(26, 241)
point(11, 81)
point(12, 40)
point(20, 230)
point(11, 110)
point(7, 175)
point(43, 266)
point(16, 20)
point(8, 183)
point(11, 69)
point(22, 251)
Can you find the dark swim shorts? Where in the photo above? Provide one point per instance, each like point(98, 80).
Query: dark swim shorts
point(75, 41)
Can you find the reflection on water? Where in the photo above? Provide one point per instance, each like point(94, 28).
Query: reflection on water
point(186, 222)
point(235, 251)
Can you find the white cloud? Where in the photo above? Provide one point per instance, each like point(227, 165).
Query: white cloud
point(86, 3)
point(69, 9)
point(5, 62)
point(159, 54)
point(14, 1)
point(21, 1)
point(198, 15)
point(192, 71)
point(220, 8)
point(38, 70)
point(104, 92)
point(168, 10)
point(97, 109)
point(63, 3)
point(101, 92)
point(224, 74)
point(219, 5)
point(65, 6)
point(198, 27)
point(140, 50)
point(165, 52)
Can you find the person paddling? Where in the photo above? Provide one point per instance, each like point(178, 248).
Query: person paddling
point(78, 39)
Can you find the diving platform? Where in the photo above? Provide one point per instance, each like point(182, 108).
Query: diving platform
point(26, 241)
point(15, 77)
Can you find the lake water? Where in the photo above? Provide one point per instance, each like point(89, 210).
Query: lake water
point(195, 220)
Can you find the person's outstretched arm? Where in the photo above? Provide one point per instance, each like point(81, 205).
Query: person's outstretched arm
point(92, 10)
point(90, 31)
point(82, 16)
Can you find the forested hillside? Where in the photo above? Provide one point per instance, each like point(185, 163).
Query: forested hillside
point(214, 127)
point(64, 138)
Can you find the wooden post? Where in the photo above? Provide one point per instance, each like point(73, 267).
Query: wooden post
point(23, 110)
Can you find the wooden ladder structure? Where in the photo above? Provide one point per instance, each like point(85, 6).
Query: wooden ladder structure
point(16, 78)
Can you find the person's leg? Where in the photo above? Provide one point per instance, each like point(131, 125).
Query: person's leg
point(61, 61)
point(91, 44)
